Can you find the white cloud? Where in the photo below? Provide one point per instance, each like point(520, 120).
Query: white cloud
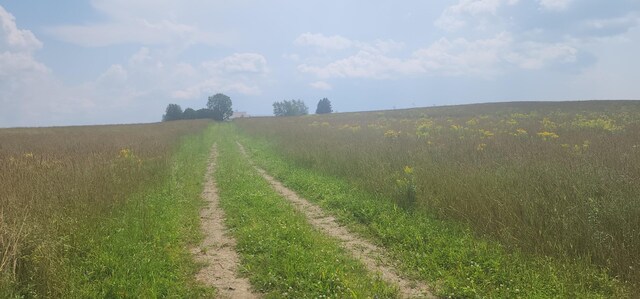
point(28, 91)
point(337, 42)
point(239, 72)
point(537, 56)
point(612, 26)
point(210, 86)
point(14, 39)
point(239, 63)
point(371, 65)
point(15, 65)
point(555, 5)
point(463, 57)
point(132, 31)
point(457, 57)
point(31, 95)
point(321, 41)
point(116, 76)
point(454, 17)
point(321, 85)
point(148, 22)
point(143, 56)
point(370, 61)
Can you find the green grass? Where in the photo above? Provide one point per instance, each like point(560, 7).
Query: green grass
point(283, 256)
point(142, 252)
point(445, 254)
point(555, 179)
point(100, 211)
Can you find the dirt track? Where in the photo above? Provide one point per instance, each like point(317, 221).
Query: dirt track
point(372, 256)
point(217, 250)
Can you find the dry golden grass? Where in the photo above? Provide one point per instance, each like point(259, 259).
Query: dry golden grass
point(55, 182)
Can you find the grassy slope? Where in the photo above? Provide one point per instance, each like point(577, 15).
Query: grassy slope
point(281, 253)
point(442, 253)
point(142, 252)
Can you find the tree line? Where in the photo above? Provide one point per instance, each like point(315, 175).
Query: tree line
point(298, 107)
point(218, 108)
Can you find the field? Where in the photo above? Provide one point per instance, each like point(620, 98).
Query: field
point(510, 200)
point(558, 180)
point(89, 211)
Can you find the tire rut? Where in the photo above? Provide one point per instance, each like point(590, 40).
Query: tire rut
point(372, 256)
point(217, 250)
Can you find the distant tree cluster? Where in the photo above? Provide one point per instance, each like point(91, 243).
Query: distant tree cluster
point(324, 106)
point(298, 107)
point(290, 108)
point(218, 108)
point(174, 112)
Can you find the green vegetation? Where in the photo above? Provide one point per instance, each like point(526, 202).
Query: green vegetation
point(324, 106)
point(282, 255)
point(290, 108)
point(509, 200)
point(174, 112)
point(218, 108)
point(103, 211)
point(551, 188)
point(443, 253)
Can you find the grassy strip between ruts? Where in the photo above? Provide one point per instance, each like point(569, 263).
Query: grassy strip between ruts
point(143, 251)
point(282, 255)
point(446, 255)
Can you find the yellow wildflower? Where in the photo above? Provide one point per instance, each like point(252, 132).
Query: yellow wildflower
point(511, 122)
point(408, 170)
point(548, 135)
point(486, 134)
point(125, 153)
point(548, 124)
point(392, 134)
point(520, 132)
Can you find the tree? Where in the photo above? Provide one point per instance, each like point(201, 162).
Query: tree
point(324, 106)
point(290, 108)
point(204, 113)
point(189, 113)
point(220, 105)
point(173, 112)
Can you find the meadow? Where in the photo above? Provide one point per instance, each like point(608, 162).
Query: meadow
point(547, 180)
point(91, 211)
point(508, 200)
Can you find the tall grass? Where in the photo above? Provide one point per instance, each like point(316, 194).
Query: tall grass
point(60, 186)
point(555, 179)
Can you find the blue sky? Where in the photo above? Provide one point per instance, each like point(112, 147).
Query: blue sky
point(122, 61)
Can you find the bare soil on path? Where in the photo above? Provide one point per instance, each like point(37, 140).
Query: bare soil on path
point(217, 250)
point(372, 256)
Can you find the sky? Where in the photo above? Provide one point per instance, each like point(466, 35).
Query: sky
point(80, 62)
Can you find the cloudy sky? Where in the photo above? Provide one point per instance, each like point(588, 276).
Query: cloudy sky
point(122, 61)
